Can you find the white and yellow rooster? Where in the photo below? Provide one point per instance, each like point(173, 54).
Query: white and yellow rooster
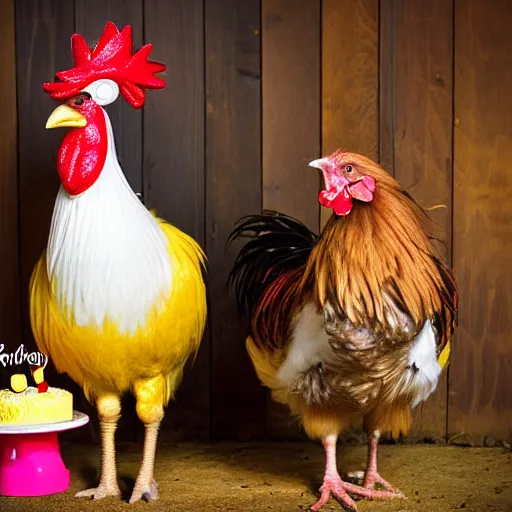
point(117, 299)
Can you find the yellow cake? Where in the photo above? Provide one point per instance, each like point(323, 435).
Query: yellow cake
point(32, 408)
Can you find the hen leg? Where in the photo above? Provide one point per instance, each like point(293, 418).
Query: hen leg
point(109, 409)
point(334, 485)
point(150, 398)
point(372, 476)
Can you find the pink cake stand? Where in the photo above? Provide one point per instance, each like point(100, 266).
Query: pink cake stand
point(30, 460)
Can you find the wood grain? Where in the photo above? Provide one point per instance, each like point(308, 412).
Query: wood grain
point(174, 170)
point(254, 149)
point(387, 94)
point(480, 401)
point(43, 31)
point(291, 117)
point(233, 170)
point(90, 19)
point(10, 314)
point(291, 129)
point(421, 95)
point(349, 78)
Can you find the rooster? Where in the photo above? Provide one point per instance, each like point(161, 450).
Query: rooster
point(117, 299)
point(351, 325)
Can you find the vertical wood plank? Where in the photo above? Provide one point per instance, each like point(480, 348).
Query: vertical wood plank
point(291, 129)
point(386, 84)
point(90, 19)
point(43, 31)
point(291, 113)
point(480, 401)
point(233, 170)
point(349, 78)
point(174, 169)
point(420, 60)
point(10, 327)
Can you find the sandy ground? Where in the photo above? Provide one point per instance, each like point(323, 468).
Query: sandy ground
point(283, 477)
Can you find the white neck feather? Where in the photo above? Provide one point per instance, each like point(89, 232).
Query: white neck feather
point(107, 256)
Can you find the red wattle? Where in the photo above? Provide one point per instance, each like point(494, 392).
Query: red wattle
point(337, 199)
point(363, 190)
point(82, 155)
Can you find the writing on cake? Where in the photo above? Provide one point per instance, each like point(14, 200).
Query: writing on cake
point(21, 356)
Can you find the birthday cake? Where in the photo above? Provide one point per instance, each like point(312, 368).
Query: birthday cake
point(24, 404)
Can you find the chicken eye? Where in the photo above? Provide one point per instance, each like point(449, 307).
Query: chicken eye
point(348, 168)
point(83, 96)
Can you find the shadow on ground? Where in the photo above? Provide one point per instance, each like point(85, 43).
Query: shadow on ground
point(284, 477)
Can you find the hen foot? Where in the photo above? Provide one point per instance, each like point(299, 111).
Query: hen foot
point(341, 490)
point(100, 492)
point(373, 478)
point(337, 487)
point(144, 490)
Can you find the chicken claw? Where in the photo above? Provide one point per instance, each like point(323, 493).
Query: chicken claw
point(100, 492)
point(337, 487)
point(372, 478)
point(148, 492)
point(109, 408)
point(334, 485)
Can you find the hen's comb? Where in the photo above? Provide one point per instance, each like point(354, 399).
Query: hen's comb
point(111, 58)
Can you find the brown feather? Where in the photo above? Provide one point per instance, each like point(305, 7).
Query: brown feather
point(376, 278)
point(396, 419)
point(382, 246)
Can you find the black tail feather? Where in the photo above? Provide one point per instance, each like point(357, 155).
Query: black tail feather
point(278, 243)
point(446, 319)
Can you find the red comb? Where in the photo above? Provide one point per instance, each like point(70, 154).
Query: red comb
point(111, 58)
point(338, 156)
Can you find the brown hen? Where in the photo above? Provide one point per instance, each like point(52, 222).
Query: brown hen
point(351, 325)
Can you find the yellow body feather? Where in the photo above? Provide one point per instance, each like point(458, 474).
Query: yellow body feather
point(105, 361)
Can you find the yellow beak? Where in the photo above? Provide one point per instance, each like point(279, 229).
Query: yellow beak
point(66, 116)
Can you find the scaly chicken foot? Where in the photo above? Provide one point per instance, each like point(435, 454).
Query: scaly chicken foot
point(334, 485)
point(109, 408)
point(372, 476)
point(145, 485)
point(100, 492)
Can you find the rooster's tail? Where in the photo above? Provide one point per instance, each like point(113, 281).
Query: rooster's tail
point(278, 244)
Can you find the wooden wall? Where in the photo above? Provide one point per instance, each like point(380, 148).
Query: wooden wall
point(256, 89)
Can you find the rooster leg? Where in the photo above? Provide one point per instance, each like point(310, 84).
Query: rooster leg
point(372, 476)
point(150, 410)
point(146, 486)
point(334, 485)
point(109, 409)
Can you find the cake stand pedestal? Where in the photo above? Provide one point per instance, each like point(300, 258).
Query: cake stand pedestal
point(30, 460)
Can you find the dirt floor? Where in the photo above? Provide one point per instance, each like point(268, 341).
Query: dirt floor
point(285, 476)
